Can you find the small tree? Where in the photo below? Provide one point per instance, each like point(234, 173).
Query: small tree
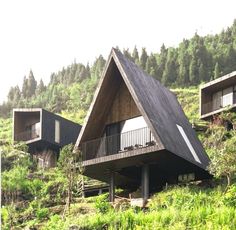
point(223, 162)
point(70, 165)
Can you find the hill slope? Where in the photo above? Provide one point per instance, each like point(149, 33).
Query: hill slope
point(36, 199)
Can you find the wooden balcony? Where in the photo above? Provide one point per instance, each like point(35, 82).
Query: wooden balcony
point(121, 145)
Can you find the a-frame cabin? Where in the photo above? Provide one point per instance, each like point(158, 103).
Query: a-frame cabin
point(136, 133)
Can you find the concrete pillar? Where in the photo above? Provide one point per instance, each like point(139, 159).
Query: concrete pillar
point(100, 191)
point(112, 187)
point(145, 182)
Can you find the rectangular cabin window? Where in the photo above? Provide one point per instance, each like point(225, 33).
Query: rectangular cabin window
point(227, 98)
point(57, 131)
point(188, 143)
point(216, 99)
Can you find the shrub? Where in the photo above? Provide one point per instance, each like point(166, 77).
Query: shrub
point(42, 213)
point(101, 203)
point(230, 196)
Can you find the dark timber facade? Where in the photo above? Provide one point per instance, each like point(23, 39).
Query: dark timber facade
point(218, 95)
point(45, 133)
point(136, 134)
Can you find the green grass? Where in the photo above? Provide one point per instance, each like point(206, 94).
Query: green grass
point(176, 208)
point(189, 100)
point(5, 129)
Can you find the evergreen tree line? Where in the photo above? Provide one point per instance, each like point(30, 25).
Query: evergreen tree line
point(195, 60)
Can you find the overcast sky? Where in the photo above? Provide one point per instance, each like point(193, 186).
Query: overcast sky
point(45, 35)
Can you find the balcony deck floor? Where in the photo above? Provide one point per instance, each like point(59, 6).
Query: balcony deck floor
point(121, 155)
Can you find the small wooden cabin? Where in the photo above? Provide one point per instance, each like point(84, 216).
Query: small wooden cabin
point(217, 96)
point(136, 133)
point(45, 133)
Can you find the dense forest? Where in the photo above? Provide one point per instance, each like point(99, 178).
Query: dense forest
point(194, 61)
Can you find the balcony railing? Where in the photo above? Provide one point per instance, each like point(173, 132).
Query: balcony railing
point(27, 135)
point(117, 143)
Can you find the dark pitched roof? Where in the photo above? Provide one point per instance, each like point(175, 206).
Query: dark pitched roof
point(160, 109)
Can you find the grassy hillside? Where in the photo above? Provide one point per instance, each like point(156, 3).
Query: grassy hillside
point(35, 199)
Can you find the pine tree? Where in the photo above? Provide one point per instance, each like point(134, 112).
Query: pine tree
point(40, 88)
point(135, 56)
point(32, 85)
point(25, 87)
point(202, 72)
point(161, 61)
point(216, 71)
point(127, 54)
point(98, 67)
point(170, 73)
point(193, 72)
point(183, 63)
point(17, 94)
point(143, 58)
point(11, 93)
point(83, 73)
point(151, 66)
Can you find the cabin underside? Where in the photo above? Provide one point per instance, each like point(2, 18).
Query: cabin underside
point(165, 167)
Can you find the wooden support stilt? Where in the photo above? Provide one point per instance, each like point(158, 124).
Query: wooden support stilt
point(112, 187)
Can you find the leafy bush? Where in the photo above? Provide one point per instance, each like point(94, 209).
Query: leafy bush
point(55, 223)
point(230, 196)
point(42, 213)
point(102, 204)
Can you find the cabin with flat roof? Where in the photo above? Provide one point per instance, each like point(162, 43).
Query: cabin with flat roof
point(44, 133)
point(136, 134)
point(217, 96)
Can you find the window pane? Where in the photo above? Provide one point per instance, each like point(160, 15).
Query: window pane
point(227, 96)
point(217, 100)
point(132, 124)
point(188, 143)
point(134, 132)
point(57, 131)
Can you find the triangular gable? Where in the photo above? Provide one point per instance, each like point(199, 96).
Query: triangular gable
point(103, 99)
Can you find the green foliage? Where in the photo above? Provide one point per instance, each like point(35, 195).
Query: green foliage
point(189, 100)
point(55, 223)
point(230, 196)
point(102, 204)
point(6, 131)
point(223, 161)
point(42, 213)
point(175, 208)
